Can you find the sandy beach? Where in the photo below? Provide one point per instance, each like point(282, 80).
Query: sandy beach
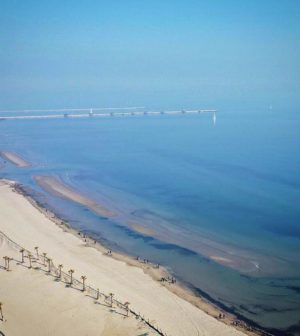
point(29, 227)
point(37, 304)
point(15, 159)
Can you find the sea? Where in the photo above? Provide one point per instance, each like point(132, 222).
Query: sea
point(219, 203)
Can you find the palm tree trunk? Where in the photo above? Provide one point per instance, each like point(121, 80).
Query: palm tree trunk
point(1, 312)
point(22, 252)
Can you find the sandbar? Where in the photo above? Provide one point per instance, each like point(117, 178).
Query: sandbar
point(55, 187)
point(15, 159)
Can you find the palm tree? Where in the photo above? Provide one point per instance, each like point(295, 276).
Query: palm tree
point(126, 304)
point(71, 271)
point(44, 255)
point(60, 266)
point(37, 251)
point(8, 261)
point(49, 264)
point(22, 252)
point(5, 262)
point(1, 311)
point(83, 277)
point(29, 257)
point(111, 299)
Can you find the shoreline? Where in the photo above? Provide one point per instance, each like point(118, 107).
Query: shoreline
point(150, 227)
point(15, 159)
point(195, 296)
point(33, 226)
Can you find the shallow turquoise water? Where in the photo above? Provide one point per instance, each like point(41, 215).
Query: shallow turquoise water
point(229, 190)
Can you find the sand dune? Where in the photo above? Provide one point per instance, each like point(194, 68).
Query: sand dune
point(29, 227)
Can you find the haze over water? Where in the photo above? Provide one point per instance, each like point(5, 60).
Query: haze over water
point(217, 205)
point(228, 193)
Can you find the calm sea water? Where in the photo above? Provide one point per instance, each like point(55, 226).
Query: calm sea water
point(230, 191)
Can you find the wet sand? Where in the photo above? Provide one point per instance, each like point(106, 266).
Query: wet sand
point(31, 226)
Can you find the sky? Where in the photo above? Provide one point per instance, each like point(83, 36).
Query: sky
point(159, 54)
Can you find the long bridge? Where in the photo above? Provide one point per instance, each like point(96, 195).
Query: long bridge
point(95, 112)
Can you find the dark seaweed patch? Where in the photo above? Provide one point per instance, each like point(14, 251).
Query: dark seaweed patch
point(294, 329)
point(232, 310)
point(181, 250)
point(134, 234)
point(294, 288)
point(243, 307)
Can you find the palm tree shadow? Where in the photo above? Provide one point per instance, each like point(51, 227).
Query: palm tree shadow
point(38, 262)
point(112, 310)
point(36, 268)
point(102, 304)
point(92, 297)
point(117, 312)
point(68, 285)
point(25, 266)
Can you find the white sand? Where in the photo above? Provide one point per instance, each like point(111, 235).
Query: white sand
point(27, 226)
point(36, 305)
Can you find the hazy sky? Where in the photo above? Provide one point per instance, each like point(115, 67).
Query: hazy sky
point(213, 53)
